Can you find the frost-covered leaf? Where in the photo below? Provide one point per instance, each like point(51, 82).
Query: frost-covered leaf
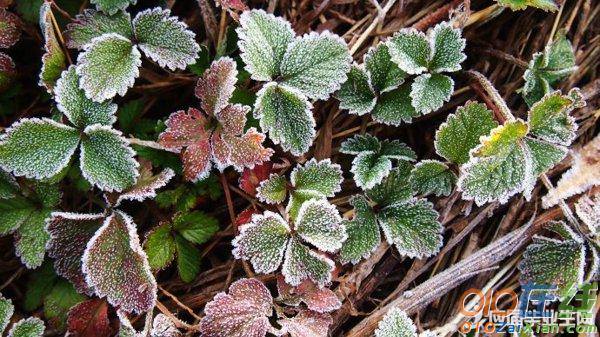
point(107, 160)
point(7, 71)
point(448, 46)
point(584, 173)
point(286, 115)
point(80, 110)
point(588, 211)
point(544, 155)
point(550, 120)
point(314, 180)
point(10, 28)
point(241, 151)
point(369, 169)
point(316, 299)
point(319, 223)
point(108, 66)
point(6, 311)
point(57, 303)
point(188, 259)
point(410, 50)
point(413, 227)
point(115, 265)
point(384, 74)
point(92, 24)
point(395, 106)
point(356, 94)
point(54, 60)
point(112, 6)
point(363, 232)
point(462, 130)
point(160, 247)
point(30, 327)
point(216, 86)
point(301, 263)
point(432, 177)
point(69, 235)
point(430, 91)
point(316, 64)
point(396, 323)
point(164, 39)
point(263, 40)
point(360, 143)
point(554, 262)
point(262, 241)
point(145, 187)
point(250, 179)
point(197, 227)
point(89, 318)
point(31, 238)
point(243, 312)
point(272, 190)
point(395, 188)
point(163, 326)
point(547, 5)
point(500, 166)
point(37, 148)
point(307, 324)
point(8, 185)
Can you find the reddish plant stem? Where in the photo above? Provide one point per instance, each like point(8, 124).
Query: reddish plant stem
point(228, 198)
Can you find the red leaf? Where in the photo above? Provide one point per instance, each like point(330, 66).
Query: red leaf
point(244, 217)
point(89, 319)
point(10, 28)
point(251, 178)
point(317, 299)
point(234, 4)
point(215, 87)
point(307, 324)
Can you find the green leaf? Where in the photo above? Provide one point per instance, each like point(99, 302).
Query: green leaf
point(547, 5)
point(37, 148)
point(396, 323)
point(262, 241)
point(549, 119)
point(360, 143)
point(108, 66)
point(29, 9)
point(356, 94)
point(112, 6)
point(430, 91)
point(197, 227)
point(410, 50)
point(92, 24)
point(544, 155)
point(30, 327)
point(395, 106)
point(116, 266)
point(8, 185)
point(384, 74)
point(263, 40)
point(432, 177)
point(322, 176)
point(448, 46)
point(413, 227)
point(188, 259)
point(107, 161)
point(286, 115)
point(160, 247)
point(31, 238)
point(316, 64)
point(58, 302)
point(554, 262)
point(6, 311)
point(319, 223)
point(40, 282)
point(394, 189)
point(297, 198)
point(79, 109)
point(164, 39)
point(369, 169)
point(500, 166)
point(363, 232)
point(301, 263)
point(54, 60)
point(462, 130)
point(272, 190)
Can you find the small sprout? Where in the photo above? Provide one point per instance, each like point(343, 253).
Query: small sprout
point(296, 69)
point(307, 323)
point(242, 312)
point(116, 266)
point(54, 60)
point(510, 159)
point(396, 323)
point(89, 318)
point(555, 262)
point(515, 5)
point(316, 299)
point(432, 177)
point(407, 222)
point(547, 68)
point(268, 239)
point(373, 161)
point(313, 180)
point(218, 135)
point(112, 6)
point(584, 173)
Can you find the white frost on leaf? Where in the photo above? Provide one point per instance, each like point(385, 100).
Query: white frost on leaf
point(396, 323)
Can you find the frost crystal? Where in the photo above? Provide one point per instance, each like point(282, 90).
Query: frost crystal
point(218, 136)
point(54, 60)
point(432, 177)
point(373, 160)
point(243, 312)
point(396, 323)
